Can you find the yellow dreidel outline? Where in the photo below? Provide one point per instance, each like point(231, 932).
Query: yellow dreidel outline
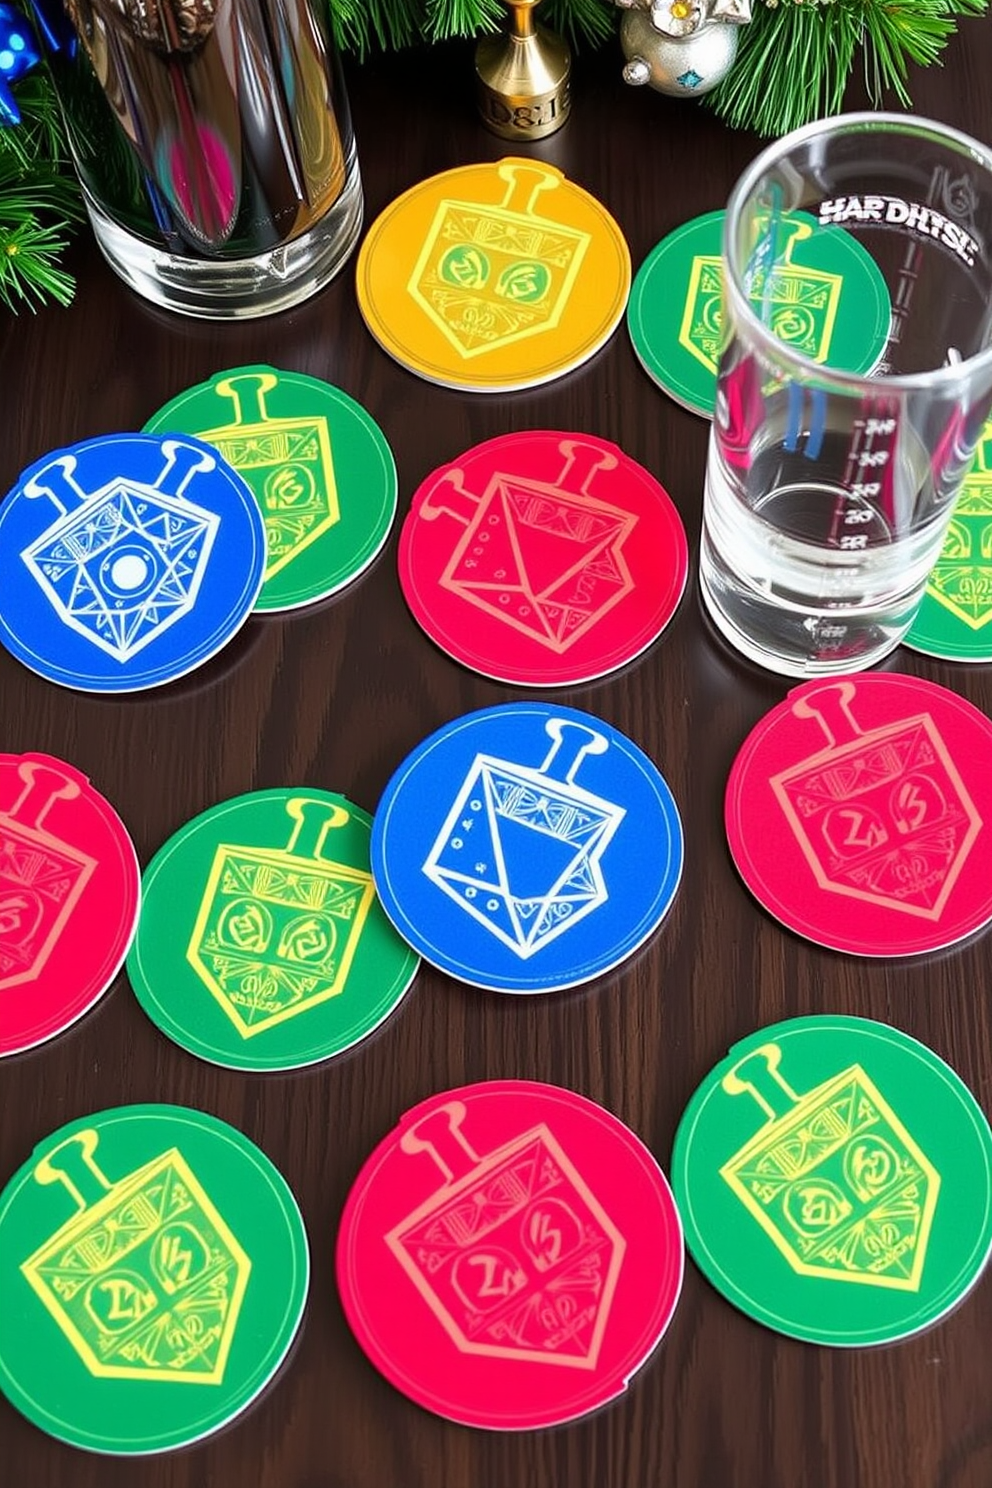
point(92, 1192)
point(778, 1100)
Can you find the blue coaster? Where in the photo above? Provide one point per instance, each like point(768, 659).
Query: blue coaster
point(127, 561)
point(526, 848)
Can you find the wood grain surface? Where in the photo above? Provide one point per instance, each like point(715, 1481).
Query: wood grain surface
point(335, 696)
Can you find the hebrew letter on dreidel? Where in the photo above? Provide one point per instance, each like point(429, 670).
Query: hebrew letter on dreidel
point(491, 274)
point(832, 1176)
point(513, 1254)
point(145, 1280)
point(277, 928)
point(287, 461)
point(881, 815)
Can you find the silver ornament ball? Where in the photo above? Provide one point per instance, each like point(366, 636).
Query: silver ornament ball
point(683, 66)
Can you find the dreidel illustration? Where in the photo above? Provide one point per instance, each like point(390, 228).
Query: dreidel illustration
point(513, 1253)
point(832, 1176)
point(287, 461)
point(544, 557)
point(799, 304)
point(277, 928)
point(489, 275)
point(961, 579)
point(881, 815)
point(125, 561)
point(145, 1280)
point(521, 848)
point(41, 877)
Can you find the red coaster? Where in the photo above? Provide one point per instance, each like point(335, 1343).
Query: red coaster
point(543, 559)
point(859, 811)
point(69, 894)
point(510, 1255)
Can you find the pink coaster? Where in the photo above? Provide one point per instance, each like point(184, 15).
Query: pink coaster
point(510, 1255)
point(543, 559)
point(859, 812)
point(69, 893)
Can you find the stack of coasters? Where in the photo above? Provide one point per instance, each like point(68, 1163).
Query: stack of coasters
point(261, 943)
point(954, 620)
point(126, 561)
point(526, 848)
point(835, 1181)
point(318, 464)
point(69, 896)
point(824, 296)
point(510, 1255)
point(858, 813)
point(493, 277)
point(543, 559)
point(153, 1272)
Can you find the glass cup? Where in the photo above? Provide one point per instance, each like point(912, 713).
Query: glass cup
point(214, 145)
point(828, 493)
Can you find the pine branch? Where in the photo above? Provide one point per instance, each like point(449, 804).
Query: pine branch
point(795, 59)
point(361, 24)
point(39, 200)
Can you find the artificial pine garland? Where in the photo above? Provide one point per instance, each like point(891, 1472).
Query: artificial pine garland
point(793, 64)
point(39, 200)
point(795, 58)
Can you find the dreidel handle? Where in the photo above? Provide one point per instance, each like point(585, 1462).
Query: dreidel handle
point(757, 1075)
point(582, 461)
point(247, 391)
point(525, 180)
point(830, 705)
point(43, 784)
point(312, 820)
point(56, 480)
point(439, 1134)
point(73, 1164)
point(450, 498)
point(570, 743)
point(182, 462)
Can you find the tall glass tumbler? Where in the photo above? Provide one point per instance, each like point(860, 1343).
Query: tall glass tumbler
point(214, 144)
point(828, 494)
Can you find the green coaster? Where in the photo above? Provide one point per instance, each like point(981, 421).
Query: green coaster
point(828, 299)
point(954, 620)
point(318, 465)
point(835, 1181)
point(261, 943)
point(153, 1273)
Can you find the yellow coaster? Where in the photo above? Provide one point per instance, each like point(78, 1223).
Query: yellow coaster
point(493, 277)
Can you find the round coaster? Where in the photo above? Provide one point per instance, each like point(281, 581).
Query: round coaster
point(261, 943)
point(127, 561)
point(510, 1255)
point(955, 619)
point(835, 1181)
point(319, 467)
point(492, 277)
point(526, 848)
point(827, 299)
point(69, 894)
point(153, 1273)
point(858, 813)
point(543, 559)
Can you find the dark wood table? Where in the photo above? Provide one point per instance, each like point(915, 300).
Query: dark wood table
point(335, 697)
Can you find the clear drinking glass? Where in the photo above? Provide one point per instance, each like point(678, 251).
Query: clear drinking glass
point(828, 493)
point(214, 145)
